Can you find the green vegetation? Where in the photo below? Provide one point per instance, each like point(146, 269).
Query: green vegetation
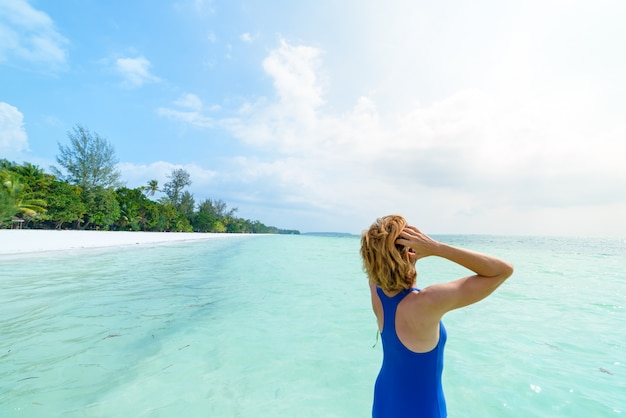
point(89, 161)
point(88, 194)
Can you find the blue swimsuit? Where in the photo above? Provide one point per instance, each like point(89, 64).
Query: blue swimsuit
point(409, 383)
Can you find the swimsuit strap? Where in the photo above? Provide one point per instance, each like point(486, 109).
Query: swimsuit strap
point(400, 294)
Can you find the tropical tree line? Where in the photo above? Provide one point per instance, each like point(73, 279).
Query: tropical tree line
point(85, 192)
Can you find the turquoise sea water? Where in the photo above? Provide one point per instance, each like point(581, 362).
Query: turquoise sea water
point(281, 326)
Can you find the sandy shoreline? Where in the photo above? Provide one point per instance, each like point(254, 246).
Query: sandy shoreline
point(31, 241)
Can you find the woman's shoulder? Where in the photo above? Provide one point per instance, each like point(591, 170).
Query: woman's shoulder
point(423, 301)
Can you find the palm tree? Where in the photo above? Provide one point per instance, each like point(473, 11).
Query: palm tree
point(34, 177)
point(14, 200)
point(153, 187)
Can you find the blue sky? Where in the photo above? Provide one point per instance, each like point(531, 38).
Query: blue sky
point(466, 117)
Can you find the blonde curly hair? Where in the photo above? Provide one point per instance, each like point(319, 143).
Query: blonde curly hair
point(387, 264)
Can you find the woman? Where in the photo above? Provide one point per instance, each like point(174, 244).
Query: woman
point(409, 319)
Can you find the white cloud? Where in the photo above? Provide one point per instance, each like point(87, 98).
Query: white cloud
point(136, 71)
point(191, 118)
point(247, 37)
point(296, 73)
point(192, 113)
point(190, 101)
point(29, 35)
point(13, 139)
point(469, 162)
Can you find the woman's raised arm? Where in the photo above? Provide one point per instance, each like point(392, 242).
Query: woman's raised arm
point(490, 271)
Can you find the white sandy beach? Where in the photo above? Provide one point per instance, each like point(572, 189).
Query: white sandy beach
point(13, 241)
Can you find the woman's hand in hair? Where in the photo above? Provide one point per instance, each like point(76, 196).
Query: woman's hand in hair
point(421, 244)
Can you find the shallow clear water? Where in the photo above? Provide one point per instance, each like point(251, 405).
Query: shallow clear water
point(280, 326)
